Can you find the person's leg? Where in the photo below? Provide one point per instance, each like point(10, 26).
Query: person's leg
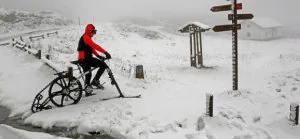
point(98, 63)
point(86, 67)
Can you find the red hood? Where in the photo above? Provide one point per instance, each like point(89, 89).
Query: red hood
point(89, 28)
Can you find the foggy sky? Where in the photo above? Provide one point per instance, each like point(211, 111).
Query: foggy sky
point(285, 11)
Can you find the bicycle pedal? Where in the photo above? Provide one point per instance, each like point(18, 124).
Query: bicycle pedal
point(94, 88)
point(89, 94)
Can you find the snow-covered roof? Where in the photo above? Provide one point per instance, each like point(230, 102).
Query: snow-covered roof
point(266, 22)
point(199, 24)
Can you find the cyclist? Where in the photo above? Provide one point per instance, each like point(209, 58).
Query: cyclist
point(86, 49)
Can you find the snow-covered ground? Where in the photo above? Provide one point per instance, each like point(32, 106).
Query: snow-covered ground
point(173, 93)
point(8, 132)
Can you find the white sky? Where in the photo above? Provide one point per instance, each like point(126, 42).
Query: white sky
point(285, 11)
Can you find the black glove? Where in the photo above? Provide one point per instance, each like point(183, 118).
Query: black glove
point(100, 57)
point(108, 56)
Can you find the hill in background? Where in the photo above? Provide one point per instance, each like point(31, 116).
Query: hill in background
point(17, 20)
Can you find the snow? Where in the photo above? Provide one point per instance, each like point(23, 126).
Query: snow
point(12, 20)
point(173, 93)
point(8, 132)
point(199, 24)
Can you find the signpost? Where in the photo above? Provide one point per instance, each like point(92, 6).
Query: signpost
point(234, 48)
point(241, 16)
point(221, 28)
point(234, 6)
point(228, 7)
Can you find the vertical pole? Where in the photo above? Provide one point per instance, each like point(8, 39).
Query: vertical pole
point(70, 71)
point(191, 47)
point(294, 113)
point(209, 105)
point(48, 56)
point(13, 42)
point(201, 53)
point(39, 54)
point(234, 47)
point(197, 48)
point(78, 20)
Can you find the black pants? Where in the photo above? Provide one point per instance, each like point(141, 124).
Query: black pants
point(93, 62)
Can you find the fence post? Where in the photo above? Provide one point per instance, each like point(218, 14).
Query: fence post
point(294, 113)
point(13, 42)
point(70, 71)
point(39, 54)
point(209, 105)
point(48, 56)
point(21, 38)
point(139, 72)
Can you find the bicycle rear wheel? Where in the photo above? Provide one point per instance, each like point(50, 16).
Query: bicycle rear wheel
point(65, 90)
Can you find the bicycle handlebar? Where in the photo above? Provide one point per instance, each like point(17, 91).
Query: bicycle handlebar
point(102, 58)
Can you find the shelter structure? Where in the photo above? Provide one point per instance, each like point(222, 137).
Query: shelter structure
point(196, 53)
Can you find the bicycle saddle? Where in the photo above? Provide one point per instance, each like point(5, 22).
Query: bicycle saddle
point(76, 62)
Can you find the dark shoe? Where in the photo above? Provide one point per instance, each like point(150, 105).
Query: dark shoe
point(88, 90)
point(97, 84)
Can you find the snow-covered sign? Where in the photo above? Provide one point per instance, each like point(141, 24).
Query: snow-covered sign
point(185, 28)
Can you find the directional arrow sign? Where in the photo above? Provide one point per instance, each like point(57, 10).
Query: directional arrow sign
point(241, 16)
point(220, 28)
point(226, 7)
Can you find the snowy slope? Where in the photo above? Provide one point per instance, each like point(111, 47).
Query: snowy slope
point(173, 93)
point(7, 132)
point(17, 20)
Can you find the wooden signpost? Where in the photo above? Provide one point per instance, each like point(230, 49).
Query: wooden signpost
point(234, 27)
point(241, 16)
point(228, 7)
point(221, 28)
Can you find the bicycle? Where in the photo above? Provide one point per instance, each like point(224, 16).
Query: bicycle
point(66, 87)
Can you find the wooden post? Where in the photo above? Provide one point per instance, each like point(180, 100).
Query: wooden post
point(191, 48)
point(209, 105)
point(39, 54)
point(201, 54)
point(13, 42)
point(197, 48)
point(70, 71)
point(294, 113)
point(139, 72)
point(48, 56)
point(195, 43)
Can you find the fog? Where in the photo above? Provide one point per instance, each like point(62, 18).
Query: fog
point(177, 11)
